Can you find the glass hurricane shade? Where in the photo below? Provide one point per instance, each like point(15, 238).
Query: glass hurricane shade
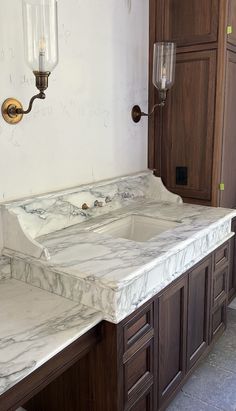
point(164, 57)
point(40, 25)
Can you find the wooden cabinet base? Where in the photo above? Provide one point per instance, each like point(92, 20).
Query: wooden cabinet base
point(141, 363)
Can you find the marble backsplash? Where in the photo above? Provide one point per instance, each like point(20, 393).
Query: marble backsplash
point(5, 267)
point(54, 211)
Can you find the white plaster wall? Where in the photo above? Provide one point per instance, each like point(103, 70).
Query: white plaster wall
point(83, 131)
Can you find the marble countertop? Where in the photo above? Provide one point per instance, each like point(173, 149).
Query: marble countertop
point(116, 275)
point(34, 326)
point(54, 245)
point(114, 262)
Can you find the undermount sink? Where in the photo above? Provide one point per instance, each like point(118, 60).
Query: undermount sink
point(136, 227)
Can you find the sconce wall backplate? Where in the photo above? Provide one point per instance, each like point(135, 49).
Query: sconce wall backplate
point(11, 103)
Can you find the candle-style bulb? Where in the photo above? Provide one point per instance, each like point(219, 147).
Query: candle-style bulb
point(40, 24)
point(42, 54)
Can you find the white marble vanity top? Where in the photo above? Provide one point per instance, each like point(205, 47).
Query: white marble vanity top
point(113, 275)
point(34, 326)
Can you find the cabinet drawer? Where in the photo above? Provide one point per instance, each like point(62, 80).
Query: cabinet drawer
point(219, 320)
point(138, 326)
point(220, 287)
point(138, 371)
point(221, 256)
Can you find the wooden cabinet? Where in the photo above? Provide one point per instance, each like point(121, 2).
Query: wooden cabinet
point(190, 21)
point(228, 171)
point(232, 22)
point(172, 338)
point(188, 134)
point(192, 140)
point(141, 363)
point(199, 287)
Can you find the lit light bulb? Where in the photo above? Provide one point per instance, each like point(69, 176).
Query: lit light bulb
point(163, 78)
point(42, 54)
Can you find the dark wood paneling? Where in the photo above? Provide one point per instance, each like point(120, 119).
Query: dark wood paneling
point(138, 326)
point(219, 321)
point(188, 22)
point(198, 311)
point(145, 403)
point(139, 372)
point(188, 125)
point(220, 286)
point(172, 338)
point(228, 175)
point(221, 256)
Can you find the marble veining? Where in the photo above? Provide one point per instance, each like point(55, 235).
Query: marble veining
point(36, 325)
point(5, 268)
point(112, 275)
point(116, 276)
point(41, 215)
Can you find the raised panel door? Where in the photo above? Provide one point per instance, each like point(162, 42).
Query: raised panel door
point(188, 127)
point(198, 311)
point(172, 338)
point(189, 22)
point(228, 174)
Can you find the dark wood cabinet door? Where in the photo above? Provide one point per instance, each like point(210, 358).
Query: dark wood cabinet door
point(172, 338)
point(188, 127)
point(198, 311)
point(232, 22)
point(189, 22)
point(228, 175)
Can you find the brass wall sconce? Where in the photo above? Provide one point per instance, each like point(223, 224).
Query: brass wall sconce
point(164, 58)
point(40, 23)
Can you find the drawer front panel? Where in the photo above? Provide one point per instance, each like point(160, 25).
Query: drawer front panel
point(219, 320)
point(138, 371)
point(136, 328)
point(220, 287)
point(221, 256)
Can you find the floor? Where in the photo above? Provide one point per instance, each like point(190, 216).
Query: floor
point(212, 387)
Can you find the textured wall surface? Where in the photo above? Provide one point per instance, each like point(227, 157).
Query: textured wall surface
point(83, 131)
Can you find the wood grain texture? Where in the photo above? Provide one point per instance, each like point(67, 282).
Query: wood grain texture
point(187, 22)
point(228, 173)
point(172, 338)
point(188, 125)
point(199, 293)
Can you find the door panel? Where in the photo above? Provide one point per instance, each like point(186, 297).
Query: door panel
point(198, 312)
point(188, 127)
point(172, 338)
point(191, 21)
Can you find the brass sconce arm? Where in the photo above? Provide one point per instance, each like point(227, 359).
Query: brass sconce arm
point(12, 109)
point(137, 113)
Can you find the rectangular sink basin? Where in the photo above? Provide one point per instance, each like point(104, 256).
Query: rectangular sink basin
point(136, 227)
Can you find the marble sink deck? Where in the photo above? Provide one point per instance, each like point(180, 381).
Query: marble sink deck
point(34, 326)
point(116, 276)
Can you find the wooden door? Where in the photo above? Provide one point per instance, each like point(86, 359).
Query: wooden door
point(188, 127)
point(198, 311)
point(189, 22)
point(228, 174)
point(172, 338)
point(232, 22)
